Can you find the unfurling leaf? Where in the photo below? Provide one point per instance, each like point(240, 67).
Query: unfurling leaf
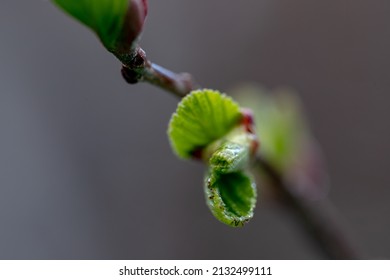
point(201, 118)
point(210, 126)
point(229, 157)
point(231, 197)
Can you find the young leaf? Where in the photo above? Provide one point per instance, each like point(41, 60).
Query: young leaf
point(104, 17)
point(211, 126)
point(230, 157)
point(202, 117)
point(231, 197)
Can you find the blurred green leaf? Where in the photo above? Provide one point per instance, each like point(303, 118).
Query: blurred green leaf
point(201, 118)
point(280, 123)
point(104, 17)
point(285, 139)
point(231, 197)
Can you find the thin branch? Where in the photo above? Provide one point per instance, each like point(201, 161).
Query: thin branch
point(139, 68)
point(318, 222)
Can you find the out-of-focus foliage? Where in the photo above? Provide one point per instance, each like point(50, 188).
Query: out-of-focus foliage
point(285, 137)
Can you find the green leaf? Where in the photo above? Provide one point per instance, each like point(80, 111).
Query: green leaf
point(286, 140)
point(201, 118)
point(231, 197)
point(212, 123)
point(230, 157)
point(279, 121)
point(104, 17)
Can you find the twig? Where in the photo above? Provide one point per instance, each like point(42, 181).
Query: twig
point(319, 223)
point(139, 68)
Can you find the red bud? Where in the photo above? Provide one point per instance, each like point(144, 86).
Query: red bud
point(247, 120)
point(133, 24)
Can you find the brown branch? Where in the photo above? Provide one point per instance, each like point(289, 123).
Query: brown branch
point(319, 224)
point(139, 68)
point(318, 220)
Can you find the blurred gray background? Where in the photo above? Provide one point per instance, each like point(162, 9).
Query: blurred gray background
point(86, 171)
